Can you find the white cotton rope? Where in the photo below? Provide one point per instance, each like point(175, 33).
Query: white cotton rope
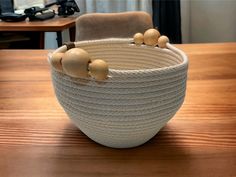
point(145, 88)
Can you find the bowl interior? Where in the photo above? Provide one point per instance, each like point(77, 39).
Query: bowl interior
point(133, 57)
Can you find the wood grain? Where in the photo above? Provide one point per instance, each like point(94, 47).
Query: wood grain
point(50, 25)
point(38, 28)
point(37, 139)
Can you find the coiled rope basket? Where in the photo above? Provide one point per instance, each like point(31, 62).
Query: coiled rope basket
point(145, 88)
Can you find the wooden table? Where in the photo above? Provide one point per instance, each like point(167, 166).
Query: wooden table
point(38, 140)
point(56, 24)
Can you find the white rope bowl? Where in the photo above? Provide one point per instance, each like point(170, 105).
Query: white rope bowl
point(145, 88)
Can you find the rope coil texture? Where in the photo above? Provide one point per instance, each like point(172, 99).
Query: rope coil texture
point(145, 88)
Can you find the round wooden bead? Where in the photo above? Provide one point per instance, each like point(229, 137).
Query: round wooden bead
point(98, 69)
point(151, 37)
point(138, 38)
point(56, 61)
point(162, 41)
point(75, 63)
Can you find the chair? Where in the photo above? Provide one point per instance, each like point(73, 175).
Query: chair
point(108, 25)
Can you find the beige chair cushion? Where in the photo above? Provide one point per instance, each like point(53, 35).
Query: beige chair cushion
point(107, 25)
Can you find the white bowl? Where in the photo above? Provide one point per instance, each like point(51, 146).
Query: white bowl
point(145, 88)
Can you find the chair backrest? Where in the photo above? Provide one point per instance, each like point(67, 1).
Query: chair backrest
point(108, 25)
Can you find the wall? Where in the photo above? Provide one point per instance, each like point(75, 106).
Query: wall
point(208, 21)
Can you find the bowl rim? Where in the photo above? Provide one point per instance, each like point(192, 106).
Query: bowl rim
point(169, 50)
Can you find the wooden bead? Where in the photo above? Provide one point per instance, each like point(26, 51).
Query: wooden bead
point(98, 69)
point(75, 63)
point(56, 61)
point(138, 38)
point(162, 41)
point(151, 37)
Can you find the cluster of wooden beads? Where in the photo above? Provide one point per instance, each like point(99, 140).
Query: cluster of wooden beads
point(151, 37)
point(77, 63)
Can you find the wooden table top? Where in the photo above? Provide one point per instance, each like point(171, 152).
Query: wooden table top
point(38, 140)
point(50, 25)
